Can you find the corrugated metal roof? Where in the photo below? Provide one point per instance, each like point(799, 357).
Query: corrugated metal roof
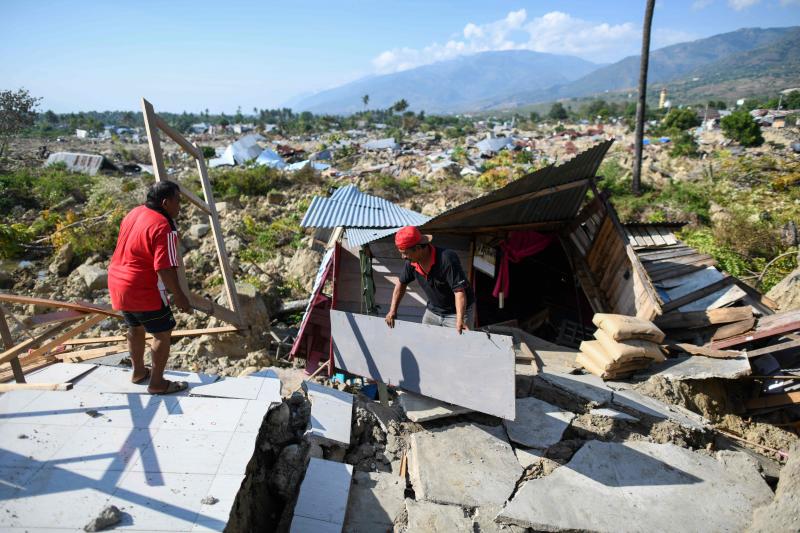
point(510, 205)
point(350, 208)
point(357, 237)
point(86, 163)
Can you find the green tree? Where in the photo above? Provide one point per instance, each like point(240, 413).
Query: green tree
point(597, 108)
point(400, 105)
point(365, 100)
point(535, 117)
point(680, 119)
point(17, 112)
point(557, 112)
point(740, 127)
point(792, 100)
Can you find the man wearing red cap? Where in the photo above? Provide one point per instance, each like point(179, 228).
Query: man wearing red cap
point(438, 271)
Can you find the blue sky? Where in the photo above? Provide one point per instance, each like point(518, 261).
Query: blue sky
point(189, 56)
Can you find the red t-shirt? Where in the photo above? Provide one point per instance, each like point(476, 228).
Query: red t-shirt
point(146, 244)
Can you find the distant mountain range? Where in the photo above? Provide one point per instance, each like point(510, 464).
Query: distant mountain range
point(745, 62)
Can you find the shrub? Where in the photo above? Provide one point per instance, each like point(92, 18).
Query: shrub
point(42, 188)
point(208, 152)
point(234, 182)
point(683, 144)
point(680, 119)
point(739, 126)
point(12, 237)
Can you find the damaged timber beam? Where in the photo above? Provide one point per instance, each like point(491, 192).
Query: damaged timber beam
point(701, 319)
point(176, 334)
point(473, 369)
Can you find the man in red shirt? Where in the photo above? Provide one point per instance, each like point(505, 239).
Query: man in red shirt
point(142, 269)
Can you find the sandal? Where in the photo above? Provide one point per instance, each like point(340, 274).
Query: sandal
point(143, 378)
point(172, 388)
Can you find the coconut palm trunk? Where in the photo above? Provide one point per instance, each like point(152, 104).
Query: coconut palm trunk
point(641, 104)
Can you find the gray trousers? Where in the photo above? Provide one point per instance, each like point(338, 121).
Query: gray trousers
point(448, 321)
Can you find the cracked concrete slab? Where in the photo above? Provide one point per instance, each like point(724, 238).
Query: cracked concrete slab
point(466, 464)
point(613, 414)
point(638, 486)
point(422, 409)
point(331, 414)
point(538, 424)
point(588, 387)
point(376, 500)
point(651, 407)
point(427, 516)
point(698, 367)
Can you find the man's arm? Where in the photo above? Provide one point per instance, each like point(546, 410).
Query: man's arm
point(461, 311)
point(169, 276)
point(397, 295)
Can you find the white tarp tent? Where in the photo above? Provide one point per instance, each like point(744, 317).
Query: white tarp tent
point(238, 153)
point(270, 158)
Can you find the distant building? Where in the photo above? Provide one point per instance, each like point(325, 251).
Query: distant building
point(81, 134)
point(662, 98)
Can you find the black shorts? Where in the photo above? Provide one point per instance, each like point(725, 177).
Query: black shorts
point(153, 321)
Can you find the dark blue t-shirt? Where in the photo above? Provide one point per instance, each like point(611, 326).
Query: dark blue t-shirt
point(445, 278)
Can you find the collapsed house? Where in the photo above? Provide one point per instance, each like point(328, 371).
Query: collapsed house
point(89, 164)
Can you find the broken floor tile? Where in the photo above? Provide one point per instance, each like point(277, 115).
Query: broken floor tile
point(585, 386)
point(422, 409)
point(331, 414)
point(638, 486)
point(427, 516)
point(538, 423)
point(465, 464)
point(376, 500)
point(323, 493)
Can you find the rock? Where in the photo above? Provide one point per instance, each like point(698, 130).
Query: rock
point(303, 267)
point(484, 517)
point(427, 516)
point(783, 513)
point(197, 231)
point(209, 500)
point(288, 471)
point(637, 486)
point(109, 516)
point(478, 456)
point(787, 292)
point(62, 260)
point(276, 198)
point(537, 424)
point(6, 280)
point(233, 245)
point(94, 276)
point(377, 499)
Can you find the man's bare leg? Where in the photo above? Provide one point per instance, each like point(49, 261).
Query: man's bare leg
point(136, 344)
point(160, 353)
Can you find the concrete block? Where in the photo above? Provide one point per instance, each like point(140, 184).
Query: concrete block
point(639, 486)
point(323, 494)
point(422, 409)
point(383, 413)
point(331, 414)
point(698, 367)
point(585, 386)
point(376, 500)
point(465, 464)
point(538, 423)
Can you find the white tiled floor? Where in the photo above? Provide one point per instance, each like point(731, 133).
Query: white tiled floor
point(155, 457)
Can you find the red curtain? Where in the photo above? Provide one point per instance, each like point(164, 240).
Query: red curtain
point(519, 245)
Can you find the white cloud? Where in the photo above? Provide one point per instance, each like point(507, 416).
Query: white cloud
point(555, 32)
point(697, 5)
point(739, 5)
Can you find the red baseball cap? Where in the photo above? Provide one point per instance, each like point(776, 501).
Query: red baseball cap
point(410, 236)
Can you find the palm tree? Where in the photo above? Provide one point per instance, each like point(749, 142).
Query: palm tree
point(365, 99)
point(400, 106)
point(640, 106)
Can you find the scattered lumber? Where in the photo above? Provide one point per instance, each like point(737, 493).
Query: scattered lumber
point(176, 334)
point(736, 328)
point(769, 326)
point(78, 356)
point(774, 400)
point(8, 387)
point(44, 302)
point(704, 351)
point(28, 364)
point(774, 348)
point(701, 319)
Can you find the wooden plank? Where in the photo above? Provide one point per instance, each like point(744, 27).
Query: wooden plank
point(8, 387)
point(770, 304)
point(679, 271)
point(49, 318)
point(665, 253)
point(178, 138)
point(193, 198)
point(696, 295)
point(43, 302)
point(8, 343)
point(736, 328)
point(23, 346)
point(756, 335)
point(701, 319)
point(219, 243)
point(656, 267)
point(774, 400)
point(774, 348)
point(83, 326)
point(87, 355)
point(473, 369)
point(656, 236)
point(704, 351)
point(154, 143)
point(176, 334)
point(28, 366)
